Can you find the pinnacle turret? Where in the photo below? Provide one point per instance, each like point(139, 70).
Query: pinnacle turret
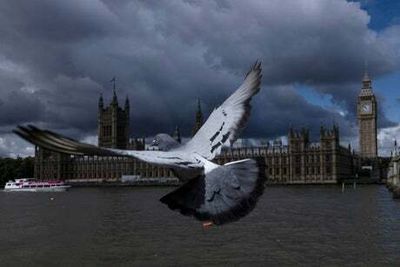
point(177, 134)
point(126, 103)
point(199, 118)
point(366, 89)
point(366, 77)
point(115, 98)
point(101, 102)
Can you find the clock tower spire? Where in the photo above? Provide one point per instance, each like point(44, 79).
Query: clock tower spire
point(367, 118)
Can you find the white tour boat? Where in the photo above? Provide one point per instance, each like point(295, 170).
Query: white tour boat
point(33, 185)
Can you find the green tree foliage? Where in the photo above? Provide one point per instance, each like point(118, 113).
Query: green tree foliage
point(15, 168)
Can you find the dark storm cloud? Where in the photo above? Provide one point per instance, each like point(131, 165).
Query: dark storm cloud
point(345, 96)
point(284, 102)
point(19, 107)
point(57, 56)
point(42, 21)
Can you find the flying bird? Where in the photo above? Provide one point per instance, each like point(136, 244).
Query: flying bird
point(212, 193)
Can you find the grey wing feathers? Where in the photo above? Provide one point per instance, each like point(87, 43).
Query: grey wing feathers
point(58, 143)
point(223, 195)
point(226, 122)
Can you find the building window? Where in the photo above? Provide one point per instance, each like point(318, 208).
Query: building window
point(328, 157)
point(328, 170)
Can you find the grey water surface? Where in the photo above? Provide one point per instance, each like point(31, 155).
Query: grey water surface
point(296, 225)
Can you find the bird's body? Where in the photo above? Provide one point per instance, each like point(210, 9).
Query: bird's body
point(211, 192)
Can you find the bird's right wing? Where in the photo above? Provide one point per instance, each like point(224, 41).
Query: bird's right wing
point(58, 143)
point(225, 122)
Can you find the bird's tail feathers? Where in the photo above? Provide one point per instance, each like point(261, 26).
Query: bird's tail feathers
point(224, 195)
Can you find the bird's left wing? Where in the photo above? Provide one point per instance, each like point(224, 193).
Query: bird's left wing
point(58, 143)
point(225, 122)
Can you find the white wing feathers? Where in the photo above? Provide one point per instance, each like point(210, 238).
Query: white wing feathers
point(225, 122)
point(58, 143)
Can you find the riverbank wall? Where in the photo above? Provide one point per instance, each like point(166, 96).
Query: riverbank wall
point(118, 183)
point(168, 181)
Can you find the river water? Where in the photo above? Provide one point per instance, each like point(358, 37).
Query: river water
point(296, 225)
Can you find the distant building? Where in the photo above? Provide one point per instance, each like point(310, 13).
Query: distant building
point(298, 162)
point(113, 124)
point(113, 132)
point(301, 162)
point(367, 120)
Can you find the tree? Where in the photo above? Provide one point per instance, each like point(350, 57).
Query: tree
point(15, 168)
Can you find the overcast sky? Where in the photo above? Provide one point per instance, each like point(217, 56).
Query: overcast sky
point(56, 57)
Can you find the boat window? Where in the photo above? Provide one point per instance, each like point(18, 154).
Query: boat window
point(17, 184)
point(25, 186)
point(47, 185)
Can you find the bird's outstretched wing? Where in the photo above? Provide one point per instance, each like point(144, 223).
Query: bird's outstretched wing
point(225, 122)
point(58, 143)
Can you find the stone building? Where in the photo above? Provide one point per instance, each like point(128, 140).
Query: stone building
point(367, 120)
point(113, 132)
point(298, 162)
point(113, 124)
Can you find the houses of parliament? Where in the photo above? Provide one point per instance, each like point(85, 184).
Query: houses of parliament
point(299, 162)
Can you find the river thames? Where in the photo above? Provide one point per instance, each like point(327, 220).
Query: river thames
point(296, 225)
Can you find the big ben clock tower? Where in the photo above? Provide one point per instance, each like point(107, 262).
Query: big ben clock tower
point(367, 116)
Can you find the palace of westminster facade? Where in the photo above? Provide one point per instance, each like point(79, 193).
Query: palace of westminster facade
point(298, 162)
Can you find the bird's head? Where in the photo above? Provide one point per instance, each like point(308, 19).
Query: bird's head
point(164, 142)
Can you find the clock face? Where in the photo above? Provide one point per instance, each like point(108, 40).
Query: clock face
point(366, 107)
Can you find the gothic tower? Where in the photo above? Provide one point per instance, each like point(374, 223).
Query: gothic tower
point(113, 123)
point(199, 119)
point(177, 135)
point(367, 119)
